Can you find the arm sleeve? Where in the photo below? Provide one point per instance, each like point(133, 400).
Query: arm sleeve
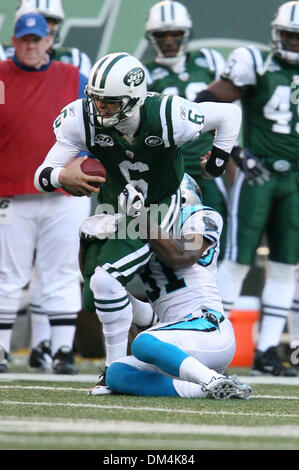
point(70, 141)
point(190, 119)
point(240, 67)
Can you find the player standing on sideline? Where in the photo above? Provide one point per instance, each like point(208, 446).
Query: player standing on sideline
point(178, 72)
point(265, 196)
point(2, 53)
point(137, 136)
point(186, 352)
point(52, 11)
point(46, 225)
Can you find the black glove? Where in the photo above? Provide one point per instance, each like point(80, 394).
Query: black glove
point(252, 168)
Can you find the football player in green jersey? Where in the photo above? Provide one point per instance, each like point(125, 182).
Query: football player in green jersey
point(53, 12)
point(137, 136)
point(265, 196)
point(175, 71)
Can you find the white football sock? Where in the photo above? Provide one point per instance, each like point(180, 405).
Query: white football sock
point(294, 312)
point(187, 389)
point(193, 370)
point(230, 279)
point(62, 335)
point(277, 299)
point(40, 328)
point(114, 311)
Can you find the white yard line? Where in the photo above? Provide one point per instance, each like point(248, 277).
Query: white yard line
point(71, 389)
point(81, 441)
point(92, 378)
point(136, 427)
point(148, 408)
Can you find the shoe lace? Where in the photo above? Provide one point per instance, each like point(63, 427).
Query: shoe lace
point(102, 376)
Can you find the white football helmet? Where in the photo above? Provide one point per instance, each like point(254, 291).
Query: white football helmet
point(115, 78)
point(50, 9)
point(286, 19)
point(190, 192)
point(168, 16)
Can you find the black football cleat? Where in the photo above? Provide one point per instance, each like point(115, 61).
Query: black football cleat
point(268, 363)
point(40, 357)
point(64, 361)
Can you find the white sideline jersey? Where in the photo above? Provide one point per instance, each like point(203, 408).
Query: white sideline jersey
point(176, 294)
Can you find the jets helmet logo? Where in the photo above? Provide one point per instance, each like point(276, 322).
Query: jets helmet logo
point(134, 77)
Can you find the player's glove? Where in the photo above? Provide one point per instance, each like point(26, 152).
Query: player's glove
point(98, 226)
point(254, 171)
point(131, 201)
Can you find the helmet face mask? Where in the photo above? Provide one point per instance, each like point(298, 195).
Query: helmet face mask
point(173, 18)
point(285, 32)
point(190, 192)
point(116, 89)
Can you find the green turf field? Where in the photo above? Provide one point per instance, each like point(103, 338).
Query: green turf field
point(50, 412)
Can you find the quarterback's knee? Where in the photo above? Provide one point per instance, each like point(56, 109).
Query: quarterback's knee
point(103, 284)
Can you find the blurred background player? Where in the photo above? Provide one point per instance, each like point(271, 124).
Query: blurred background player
point(40, 228)
point(265, 197)
point(175, 71)
point(52, 11)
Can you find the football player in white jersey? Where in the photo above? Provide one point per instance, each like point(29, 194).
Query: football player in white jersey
point(186, 352)
point(137, 137)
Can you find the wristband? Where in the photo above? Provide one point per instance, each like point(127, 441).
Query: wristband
point(45, 180)
point(217, 162)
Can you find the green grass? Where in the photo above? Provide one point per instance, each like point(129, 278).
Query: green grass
point(50, 415)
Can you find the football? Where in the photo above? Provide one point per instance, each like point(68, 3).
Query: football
point(91, 167)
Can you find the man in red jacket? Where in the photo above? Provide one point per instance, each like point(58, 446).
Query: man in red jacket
point(31, 224)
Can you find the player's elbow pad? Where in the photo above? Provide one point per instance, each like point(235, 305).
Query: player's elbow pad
point(217, 162)
point(44, 180)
